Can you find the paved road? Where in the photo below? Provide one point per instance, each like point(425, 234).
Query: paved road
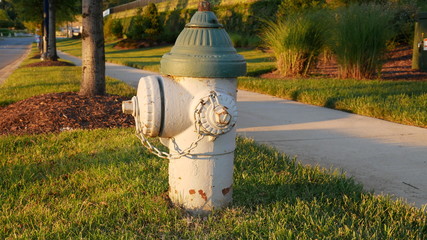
point(12, 49)
point(11, 52)
point(385, 157)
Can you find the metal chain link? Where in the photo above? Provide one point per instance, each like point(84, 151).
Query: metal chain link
point(197, 125)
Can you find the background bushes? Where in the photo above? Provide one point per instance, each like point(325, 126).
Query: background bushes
point(245, 23)
point(297, 41)
point(359, 39)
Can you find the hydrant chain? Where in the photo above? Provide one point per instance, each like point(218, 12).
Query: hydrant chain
point(166, 155)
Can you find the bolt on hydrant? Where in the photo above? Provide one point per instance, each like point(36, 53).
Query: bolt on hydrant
point(194, 112)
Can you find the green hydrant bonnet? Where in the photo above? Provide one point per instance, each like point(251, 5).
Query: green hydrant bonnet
point(203, 49)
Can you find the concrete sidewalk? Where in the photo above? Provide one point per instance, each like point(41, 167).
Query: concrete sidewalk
point(385, 157)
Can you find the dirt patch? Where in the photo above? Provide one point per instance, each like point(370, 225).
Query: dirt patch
point(127, 44)
point(49, 64)
point(57, 112)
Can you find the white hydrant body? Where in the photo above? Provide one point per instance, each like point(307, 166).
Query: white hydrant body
point(194, 111)
point(203, 180)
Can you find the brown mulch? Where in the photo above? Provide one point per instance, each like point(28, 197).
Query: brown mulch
point(57, 112)
point(58, 63)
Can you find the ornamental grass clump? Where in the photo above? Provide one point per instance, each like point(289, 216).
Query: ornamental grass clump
point(296, 41)
point(359, 39)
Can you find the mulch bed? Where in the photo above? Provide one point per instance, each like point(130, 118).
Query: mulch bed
point(57, 112)
point(58, 63)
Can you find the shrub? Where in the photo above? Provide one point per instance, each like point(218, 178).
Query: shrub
point(240, 40)
point(404, 20)
point(117, 28)
point(296, 41)
point(359, 39)
point(151, 22)
point(136, 27)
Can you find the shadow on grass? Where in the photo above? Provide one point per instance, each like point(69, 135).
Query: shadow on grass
point(269, 177)
point(58, 165)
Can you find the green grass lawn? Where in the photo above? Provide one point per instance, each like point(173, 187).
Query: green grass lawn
point(26, 82)
point(149, 58)
point(397, 101)
point(102, 184)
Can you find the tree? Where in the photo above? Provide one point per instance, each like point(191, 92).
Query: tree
point(151, 22)
point(93, 54)
point(31, 12)
point(51, 52)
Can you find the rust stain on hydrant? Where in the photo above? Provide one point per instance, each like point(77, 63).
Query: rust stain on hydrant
point(226, 190)
point(192, 191)
point(203, 195)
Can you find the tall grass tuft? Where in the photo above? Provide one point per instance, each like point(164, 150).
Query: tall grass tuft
point(296, 41)
point(360, 39)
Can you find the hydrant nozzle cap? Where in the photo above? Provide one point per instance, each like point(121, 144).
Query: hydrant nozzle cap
point(203, 49)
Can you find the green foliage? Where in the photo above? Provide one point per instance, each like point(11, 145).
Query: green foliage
point(5, 21)
point(117, 28)
point(151, 22)
point(359, 39)
point(403, 20)
point(296, 41)
point(293, 6)
point(4, 16)
point(32, 10)
point(245, 19)
point(5, 32)
point(136, 27)
point(240, 40)
point(145, 25)
point(174, 22)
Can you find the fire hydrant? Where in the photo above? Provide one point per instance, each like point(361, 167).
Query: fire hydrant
point(193, 111)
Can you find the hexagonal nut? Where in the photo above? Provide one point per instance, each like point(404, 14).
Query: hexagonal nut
point(222, 117)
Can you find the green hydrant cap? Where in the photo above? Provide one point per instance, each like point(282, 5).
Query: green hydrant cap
point(203, 49)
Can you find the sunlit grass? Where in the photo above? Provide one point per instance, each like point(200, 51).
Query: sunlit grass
point(398, 101)
point(102, 184)
point(149, 58)
point(26, 82)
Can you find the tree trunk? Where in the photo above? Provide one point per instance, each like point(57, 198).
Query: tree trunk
point(45, 29)
point(93, 55)
point(51, 53)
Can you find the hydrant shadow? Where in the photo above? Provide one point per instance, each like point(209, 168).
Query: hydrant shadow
point(271, 177)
